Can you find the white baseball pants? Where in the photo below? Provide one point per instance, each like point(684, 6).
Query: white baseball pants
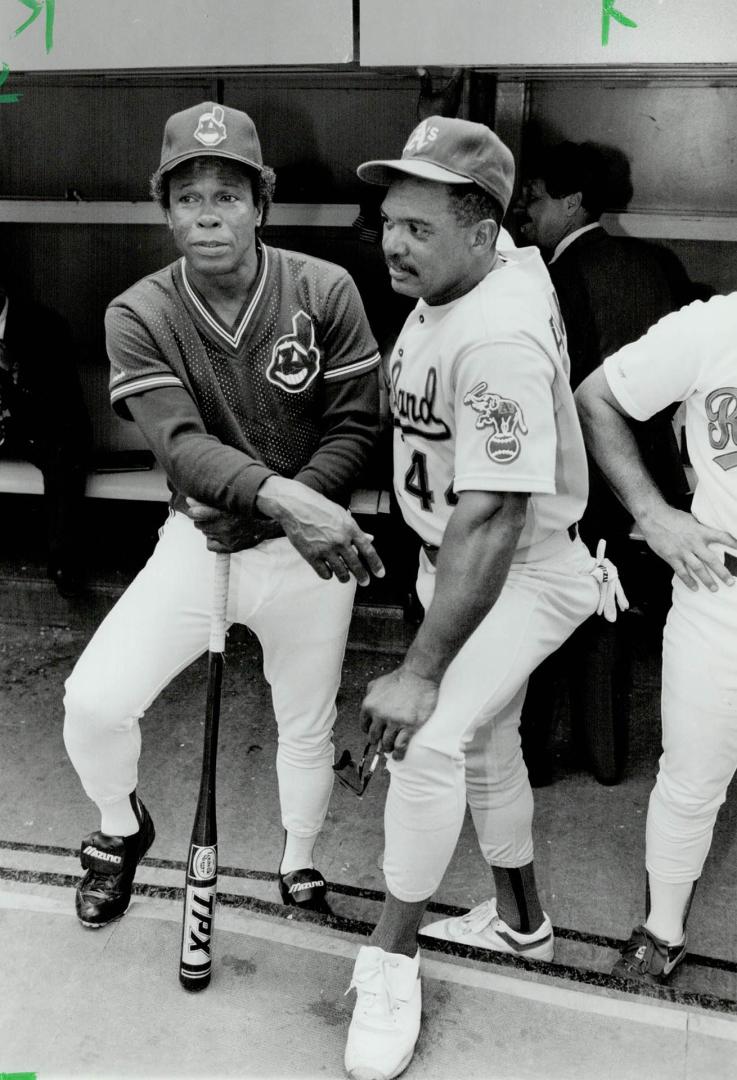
point(161, 624)
point(699, 707)
point(469, 749)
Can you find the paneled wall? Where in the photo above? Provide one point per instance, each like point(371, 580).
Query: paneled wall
point(102, 134)
point(680, 137)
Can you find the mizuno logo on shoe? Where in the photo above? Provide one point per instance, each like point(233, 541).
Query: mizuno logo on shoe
point(522, 946)
point(670, 964)
point(106, 856)
point(300, 886)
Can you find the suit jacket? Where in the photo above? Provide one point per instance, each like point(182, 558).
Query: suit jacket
point(48, 420)
point(611, 291)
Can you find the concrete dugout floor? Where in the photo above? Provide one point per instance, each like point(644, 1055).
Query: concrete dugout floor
point(107, 1004)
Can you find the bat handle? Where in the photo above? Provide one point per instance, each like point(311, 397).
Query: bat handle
point(218, 618)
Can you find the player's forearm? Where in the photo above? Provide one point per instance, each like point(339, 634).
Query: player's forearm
point(350, 434)
point(337, 464)
point(215, 474)
point(472, 566)
point(290, 502)
point(613, 446)
point(198, 465)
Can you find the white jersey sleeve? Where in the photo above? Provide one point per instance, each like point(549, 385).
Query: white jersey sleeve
point(664, 365)
point(505, 419)
point(691, 356)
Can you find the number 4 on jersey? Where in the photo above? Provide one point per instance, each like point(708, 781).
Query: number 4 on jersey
point(416, 483)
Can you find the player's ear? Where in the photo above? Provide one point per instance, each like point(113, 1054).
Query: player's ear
point(486, 234)
point(259, 214)
point(168, 218)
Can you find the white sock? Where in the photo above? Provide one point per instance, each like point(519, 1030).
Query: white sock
point(119, 818)
point(297, 853)
point(668, 905)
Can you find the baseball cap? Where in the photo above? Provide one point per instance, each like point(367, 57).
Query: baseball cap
point(450, 151)
point(210, 130)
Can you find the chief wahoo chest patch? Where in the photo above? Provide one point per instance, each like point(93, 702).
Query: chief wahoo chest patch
point(504, 418)
point(295, 359)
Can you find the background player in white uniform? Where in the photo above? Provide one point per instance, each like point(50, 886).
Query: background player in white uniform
point(490, 470)
point(690, 356)
point(252, 373)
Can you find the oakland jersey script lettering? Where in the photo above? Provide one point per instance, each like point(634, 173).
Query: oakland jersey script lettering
point(415, 415)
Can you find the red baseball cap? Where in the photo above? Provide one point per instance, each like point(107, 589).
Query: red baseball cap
point(450, 151)
point(210, 130)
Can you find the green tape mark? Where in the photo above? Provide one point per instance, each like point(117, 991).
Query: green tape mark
point(5, 99)
point(608, 12)
point(37, 6)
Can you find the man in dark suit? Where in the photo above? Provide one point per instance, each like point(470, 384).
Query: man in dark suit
point(43, 420)
point(611, 291)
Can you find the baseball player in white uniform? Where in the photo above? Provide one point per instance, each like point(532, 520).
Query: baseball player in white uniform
point(690, 356)
point(252, 373)
point(490, 470)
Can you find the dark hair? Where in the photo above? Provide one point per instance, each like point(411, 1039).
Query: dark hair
point(600, 173)
point(262, 184)
point(471, 203)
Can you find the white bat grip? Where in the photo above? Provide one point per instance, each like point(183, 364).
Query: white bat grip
point(218, 617)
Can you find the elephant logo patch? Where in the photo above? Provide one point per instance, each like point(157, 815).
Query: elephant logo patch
point(504, 417)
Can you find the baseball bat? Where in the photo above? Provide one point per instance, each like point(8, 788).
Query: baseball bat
point(200, 892)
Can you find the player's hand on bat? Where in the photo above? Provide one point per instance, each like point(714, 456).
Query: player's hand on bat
point(324, 534)
point(226, 532)
point(395, 708)
point(678, 538)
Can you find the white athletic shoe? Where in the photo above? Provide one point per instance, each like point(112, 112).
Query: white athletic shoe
point(484, 929)
point(386, 1017)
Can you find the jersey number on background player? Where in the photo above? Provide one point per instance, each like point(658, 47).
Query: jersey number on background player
point(416, 483)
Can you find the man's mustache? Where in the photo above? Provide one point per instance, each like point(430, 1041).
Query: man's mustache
point(395, 265)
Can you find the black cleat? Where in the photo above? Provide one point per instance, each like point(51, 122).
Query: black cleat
point(305, 889)
point(647, 959)
point(104, 893)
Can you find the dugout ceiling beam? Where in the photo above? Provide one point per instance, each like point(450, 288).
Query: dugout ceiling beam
point(520, 38)
point(545, 34)
point(83, 35)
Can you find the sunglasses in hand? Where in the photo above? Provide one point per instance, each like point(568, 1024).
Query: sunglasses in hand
point(356, 777)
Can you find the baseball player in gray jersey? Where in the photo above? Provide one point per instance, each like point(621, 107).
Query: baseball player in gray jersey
point(252, 373)
point(689, 356)
point(490, 471)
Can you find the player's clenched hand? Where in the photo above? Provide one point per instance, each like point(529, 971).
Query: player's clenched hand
point(226, 532)
point(679, 539)
point(324, 534)
point(395, 707)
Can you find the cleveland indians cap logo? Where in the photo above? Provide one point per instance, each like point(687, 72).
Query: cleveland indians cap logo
point(504, 417)
point(211, 130)
point(295, 359)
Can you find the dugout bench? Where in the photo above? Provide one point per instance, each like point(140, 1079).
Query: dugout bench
point(146, 484)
